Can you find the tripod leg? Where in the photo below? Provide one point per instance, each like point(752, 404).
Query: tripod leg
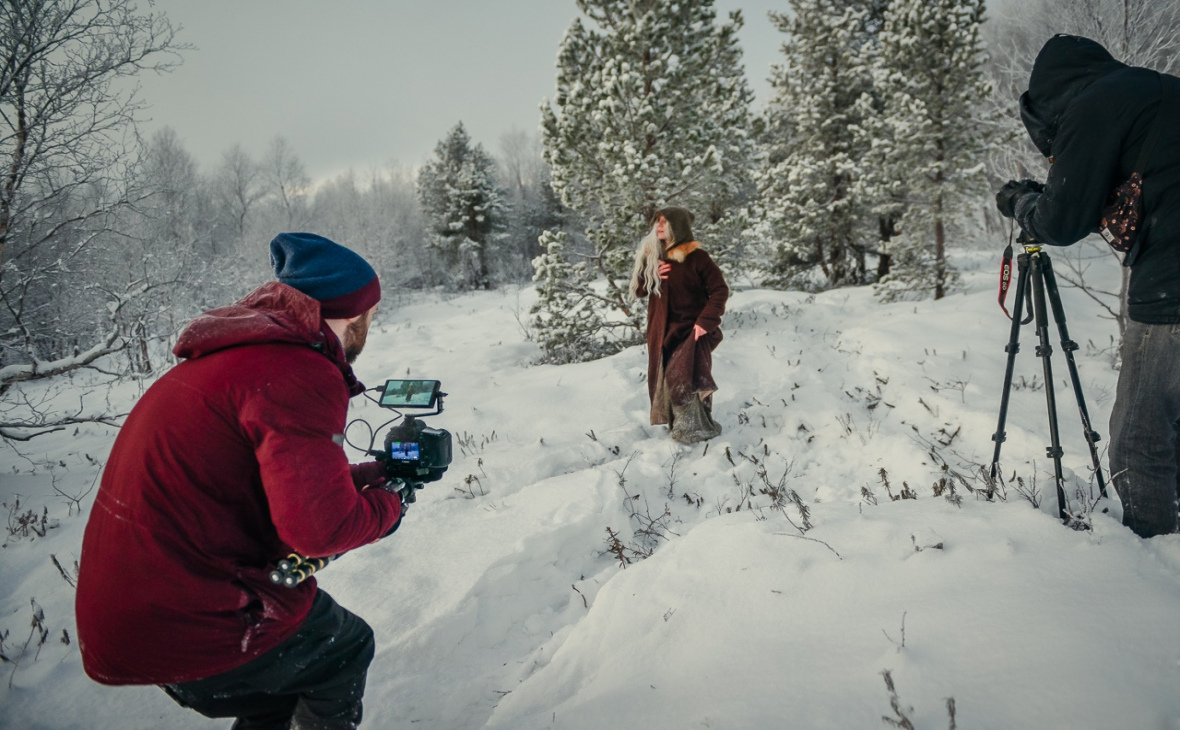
point(1044, 351)
point(1012, 348)
point(1069, 346)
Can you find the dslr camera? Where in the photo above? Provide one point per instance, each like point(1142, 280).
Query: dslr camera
point(414, 453)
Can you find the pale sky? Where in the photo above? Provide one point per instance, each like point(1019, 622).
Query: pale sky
point(361, 83)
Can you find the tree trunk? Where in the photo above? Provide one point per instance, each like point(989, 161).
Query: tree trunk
point(20, 142)
point(939, 251)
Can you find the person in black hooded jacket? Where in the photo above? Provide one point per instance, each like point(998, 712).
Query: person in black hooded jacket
point(1091, 116)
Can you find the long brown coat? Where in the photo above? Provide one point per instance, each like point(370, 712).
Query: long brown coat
point(694, 293)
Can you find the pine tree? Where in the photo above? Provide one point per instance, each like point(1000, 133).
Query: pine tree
point(932, 132)
point(565, 318)
point(652, 109)
point(464, 208)
point(816, 216)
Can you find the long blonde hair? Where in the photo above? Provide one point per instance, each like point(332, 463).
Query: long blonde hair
point(647, 261)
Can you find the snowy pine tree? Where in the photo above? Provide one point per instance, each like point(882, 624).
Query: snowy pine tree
point(566, 319)
point(815, 216)
point(652, 109)
point(463, 206)
point(932, 132)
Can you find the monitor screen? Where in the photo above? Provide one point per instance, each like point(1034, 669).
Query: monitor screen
point(404, 450)
point(410, 393)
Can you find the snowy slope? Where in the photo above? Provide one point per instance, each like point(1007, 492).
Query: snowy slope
point(498, 604)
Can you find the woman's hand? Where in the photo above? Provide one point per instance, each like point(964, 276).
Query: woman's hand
point(697, 332)
point(664, 268)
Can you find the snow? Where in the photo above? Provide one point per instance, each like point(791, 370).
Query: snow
point(497, 604)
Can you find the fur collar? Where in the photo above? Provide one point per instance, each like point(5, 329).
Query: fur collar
point(680, 251)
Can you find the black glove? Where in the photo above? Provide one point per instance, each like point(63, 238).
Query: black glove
point(1012, 192)
point(395, 525)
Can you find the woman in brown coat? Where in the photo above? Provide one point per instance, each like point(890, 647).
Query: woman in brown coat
point(686, 295)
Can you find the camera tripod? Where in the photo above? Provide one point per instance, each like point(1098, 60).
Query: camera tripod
point(1035, 267)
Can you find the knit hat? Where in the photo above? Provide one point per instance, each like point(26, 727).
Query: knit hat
point(681, 221)
point(343, 282)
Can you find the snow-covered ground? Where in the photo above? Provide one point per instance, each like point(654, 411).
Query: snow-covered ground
point(499, 603)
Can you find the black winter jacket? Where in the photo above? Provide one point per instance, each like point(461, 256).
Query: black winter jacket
point(1092, 114)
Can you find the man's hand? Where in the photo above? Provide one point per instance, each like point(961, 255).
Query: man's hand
point(393, 489)
point(1010, 195)
point(697, 332)
point(664, 268)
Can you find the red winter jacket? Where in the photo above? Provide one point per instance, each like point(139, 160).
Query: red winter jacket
point(228, 462)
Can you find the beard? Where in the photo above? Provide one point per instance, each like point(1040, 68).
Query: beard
point(354, 338)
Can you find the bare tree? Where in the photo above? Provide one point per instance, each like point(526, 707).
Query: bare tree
point(286, 179)
point(63, 122)
point(170, 176)
point(166, 239)
point(68, 152)
point(522, 165)
point(238, 186)
point(379, 217)
point(532, 205)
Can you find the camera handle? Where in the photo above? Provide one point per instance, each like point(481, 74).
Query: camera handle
point(295, 568)
point(1035, 267)
point(406, 489)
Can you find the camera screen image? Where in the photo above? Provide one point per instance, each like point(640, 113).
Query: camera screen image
point(409, 393)
point(404, 450)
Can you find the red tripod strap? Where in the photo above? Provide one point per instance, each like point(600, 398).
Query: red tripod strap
point(1005, 279)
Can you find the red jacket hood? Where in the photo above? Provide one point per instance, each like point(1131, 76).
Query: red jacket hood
point(273, 313)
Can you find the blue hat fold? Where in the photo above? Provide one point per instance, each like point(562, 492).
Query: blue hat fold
point(344, 283)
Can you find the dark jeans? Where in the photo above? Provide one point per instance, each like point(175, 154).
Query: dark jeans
point(312, 681)
point(1144, 449)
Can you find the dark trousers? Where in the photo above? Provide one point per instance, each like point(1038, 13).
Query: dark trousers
point(312, 681)
point(1144, 448)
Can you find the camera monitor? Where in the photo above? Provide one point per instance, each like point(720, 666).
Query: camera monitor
point(410, 393)
point(405, 450)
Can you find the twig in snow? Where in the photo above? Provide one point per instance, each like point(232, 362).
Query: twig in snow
point(901, 720)
point(584, 601)
point(891, 641)
point(62, 570)
point(810, 539)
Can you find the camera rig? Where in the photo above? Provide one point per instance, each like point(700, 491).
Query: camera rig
point(412, 453)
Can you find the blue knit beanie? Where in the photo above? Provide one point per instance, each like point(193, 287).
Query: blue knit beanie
point(343, 282)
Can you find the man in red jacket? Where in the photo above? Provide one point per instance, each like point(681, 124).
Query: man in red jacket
point(232, 460)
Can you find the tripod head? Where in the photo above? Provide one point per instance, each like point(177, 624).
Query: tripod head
point(1028, 241)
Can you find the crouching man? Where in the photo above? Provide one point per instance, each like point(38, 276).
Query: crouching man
point(232, 460)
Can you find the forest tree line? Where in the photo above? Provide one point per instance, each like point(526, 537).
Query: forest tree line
point(890, 124)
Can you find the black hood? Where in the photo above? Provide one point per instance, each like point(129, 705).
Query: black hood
point(1065, 67)
point(680, 219)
